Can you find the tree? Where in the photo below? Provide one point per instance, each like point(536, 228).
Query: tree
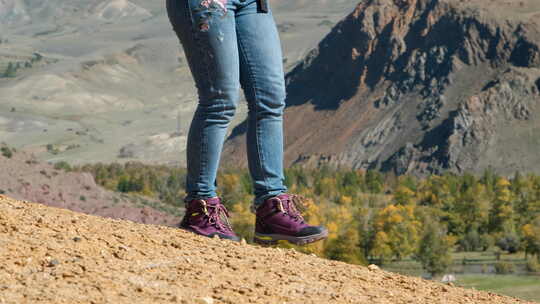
point(396, 232)
point(346, 247)
point(531, 237)
point(123, 184)
point(374, 181)
point(404, 196)
point(11, 70)
point(434, 249)
point(502, 213)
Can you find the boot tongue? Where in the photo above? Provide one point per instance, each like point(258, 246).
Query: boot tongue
point(290, 206)
point(285, 201)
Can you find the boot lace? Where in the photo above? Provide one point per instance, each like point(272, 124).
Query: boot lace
point(291, 208)
point(218, 216)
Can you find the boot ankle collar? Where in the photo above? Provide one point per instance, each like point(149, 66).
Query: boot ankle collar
point(273, 205)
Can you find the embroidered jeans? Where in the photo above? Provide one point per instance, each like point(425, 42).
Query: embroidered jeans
point(231, 44)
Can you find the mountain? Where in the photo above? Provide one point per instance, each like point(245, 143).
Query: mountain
point(54, 255)
point(110, 78)
point(418, 86)
point(24, 177)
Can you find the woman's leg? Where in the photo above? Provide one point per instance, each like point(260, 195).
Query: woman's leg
point(261, 70)
point(262, 78)
point(208, 35)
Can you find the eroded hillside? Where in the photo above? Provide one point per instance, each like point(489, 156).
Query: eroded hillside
point(419, 86)
point(55, 255)
point(23, 177)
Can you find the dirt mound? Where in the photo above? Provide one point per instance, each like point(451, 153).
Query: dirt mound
point(51, 255)
point(23, 177)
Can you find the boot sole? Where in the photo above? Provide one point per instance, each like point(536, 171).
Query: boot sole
point(222, 237)
point(273, 239)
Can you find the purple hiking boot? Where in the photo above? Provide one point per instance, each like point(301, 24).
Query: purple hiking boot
point(208, 217)
point(279, 219)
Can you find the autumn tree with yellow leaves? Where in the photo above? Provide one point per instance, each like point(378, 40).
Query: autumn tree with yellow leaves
point(396, 231)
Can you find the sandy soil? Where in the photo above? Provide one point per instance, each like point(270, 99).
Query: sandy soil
point(50, 255)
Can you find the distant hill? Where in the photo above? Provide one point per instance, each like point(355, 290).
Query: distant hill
point(23, 177)
point(21, 12)
point(54, 255)
point(419, 86)
point(111, 80)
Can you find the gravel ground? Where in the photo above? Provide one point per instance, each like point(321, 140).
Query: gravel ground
point(50, 255)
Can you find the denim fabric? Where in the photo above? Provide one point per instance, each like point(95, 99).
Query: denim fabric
point(228, 44)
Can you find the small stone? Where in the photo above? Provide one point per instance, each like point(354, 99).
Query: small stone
point(373, 267)
point(205, 300)
point(77, 239)
point(53, 263)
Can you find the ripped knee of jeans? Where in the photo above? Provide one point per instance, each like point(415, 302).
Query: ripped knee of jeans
point(209, 8)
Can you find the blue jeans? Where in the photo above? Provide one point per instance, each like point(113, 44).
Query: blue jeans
point(228, 46)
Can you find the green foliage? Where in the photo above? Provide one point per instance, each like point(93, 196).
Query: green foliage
point(533, 265)
point(36, 57)
point(346, 247)
point(159, 182)
point(130, 184)
point(62, 165)
point(6, 151)
point(370, 216)
point(396, 231)
point(502, 212)
point(11, 70)
point(473, 241)
point(52, 149)
point(504, 268)
point(509, 242)
point(531, 237)
point(434, 249)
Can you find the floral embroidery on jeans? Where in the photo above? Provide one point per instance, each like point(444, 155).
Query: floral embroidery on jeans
point(212, 3)
point(207, 7)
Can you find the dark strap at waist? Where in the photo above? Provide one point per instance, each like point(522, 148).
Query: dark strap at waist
point(263, 6)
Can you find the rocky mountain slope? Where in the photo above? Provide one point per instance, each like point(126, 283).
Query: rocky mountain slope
point(108, 79)
point(25, 178)
point(419, 86)
point(54, 255)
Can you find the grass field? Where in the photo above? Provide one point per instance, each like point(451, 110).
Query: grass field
point(468, 268)
point(464, 263)
point(523, 287)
